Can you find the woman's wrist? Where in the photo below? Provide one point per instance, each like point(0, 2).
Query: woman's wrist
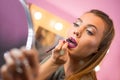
point(54, 62)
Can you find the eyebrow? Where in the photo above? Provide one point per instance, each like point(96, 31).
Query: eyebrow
point(91, 25)
point(80, 19)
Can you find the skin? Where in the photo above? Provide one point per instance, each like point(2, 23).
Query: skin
point(88, 35)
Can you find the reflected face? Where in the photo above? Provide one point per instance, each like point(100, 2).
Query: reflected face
point(86, 35)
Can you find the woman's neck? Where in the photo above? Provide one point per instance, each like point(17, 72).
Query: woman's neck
point(71, 66)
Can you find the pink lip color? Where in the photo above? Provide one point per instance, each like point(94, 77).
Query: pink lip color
point(71, 42)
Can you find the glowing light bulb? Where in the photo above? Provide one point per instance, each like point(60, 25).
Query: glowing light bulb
point(58, 26)
point(38, 15)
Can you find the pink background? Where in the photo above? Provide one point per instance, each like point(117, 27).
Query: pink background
point(13, 22)
point(71, 9)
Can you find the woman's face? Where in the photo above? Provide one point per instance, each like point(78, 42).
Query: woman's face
point(85, 35)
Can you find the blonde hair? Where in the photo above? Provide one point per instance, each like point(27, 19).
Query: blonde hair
point(109, 32)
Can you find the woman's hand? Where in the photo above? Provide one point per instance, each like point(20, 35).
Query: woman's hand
point(59, 54)
point(21, 64)
point(58, 58)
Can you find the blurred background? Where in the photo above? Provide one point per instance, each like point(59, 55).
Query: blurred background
point(51, 20)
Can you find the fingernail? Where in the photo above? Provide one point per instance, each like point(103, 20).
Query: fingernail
point(6, 54)
point(7, 58)
point(16, 52)
point(64, 41)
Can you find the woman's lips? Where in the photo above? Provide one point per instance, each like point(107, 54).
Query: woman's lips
point(71, 42)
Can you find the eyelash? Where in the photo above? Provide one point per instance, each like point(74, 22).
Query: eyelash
point(89, 32)
point(76, 25)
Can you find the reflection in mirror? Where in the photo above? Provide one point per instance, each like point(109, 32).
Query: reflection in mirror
point(48, 28)
point(44, 41)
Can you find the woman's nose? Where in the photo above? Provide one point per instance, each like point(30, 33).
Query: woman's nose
point(77, 33)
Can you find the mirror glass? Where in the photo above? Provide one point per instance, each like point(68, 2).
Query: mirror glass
point(13, 26)
point(48, 28)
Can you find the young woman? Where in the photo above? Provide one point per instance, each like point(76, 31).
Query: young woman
point(72, 59)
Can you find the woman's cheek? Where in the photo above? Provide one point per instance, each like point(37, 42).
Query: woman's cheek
point(94, 43)
point(93, 46)
point(70, 32)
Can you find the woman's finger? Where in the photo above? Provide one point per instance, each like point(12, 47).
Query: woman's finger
point(33, 61)
point(27, 73)
point(64, 47)
point(5, 73)
point(18, 57)
point(10, 63)
point(59, 53)
point(13, 69)
point(59, 46)
point(64, 52)
point(23, 70)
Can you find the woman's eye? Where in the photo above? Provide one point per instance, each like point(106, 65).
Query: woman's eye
point(76, 25)
point(89, 32)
